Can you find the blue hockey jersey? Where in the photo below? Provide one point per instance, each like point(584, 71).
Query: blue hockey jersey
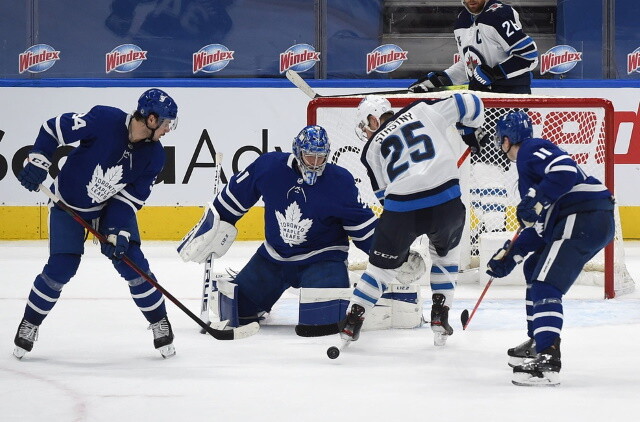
point(559, 182)
point(105, 169)
point(303, 223)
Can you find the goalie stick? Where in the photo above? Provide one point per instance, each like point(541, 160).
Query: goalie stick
point(297, 80)
point(465, 318)
point(237, 333)
point(207, 285)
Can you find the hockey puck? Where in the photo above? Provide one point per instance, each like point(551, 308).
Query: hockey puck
point(333, 352)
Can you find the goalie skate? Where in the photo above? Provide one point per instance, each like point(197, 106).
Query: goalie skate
point(541, 371)
point(440, 320)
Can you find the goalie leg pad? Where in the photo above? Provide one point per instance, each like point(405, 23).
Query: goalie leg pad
point(210, 236)
point(228, 302)
point(322, 306)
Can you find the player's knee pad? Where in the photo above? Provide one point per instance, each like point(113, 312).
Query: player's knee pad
point(60, 268)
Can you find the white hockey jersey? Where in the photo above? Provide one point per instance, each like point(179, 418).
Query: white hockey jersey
point(411, 161)
point(494, 38)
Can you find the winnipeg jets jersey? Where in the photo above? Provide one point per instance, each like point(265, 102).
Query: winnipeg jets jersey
point(493, 37)
point(558, 181)
point(410, 160)
point(105, 168)
point(303, 223)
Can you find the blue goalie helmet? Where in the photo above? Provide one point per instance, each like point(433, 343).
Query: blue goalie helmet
point(311, 149)
point(515, 125)
point(156, 101)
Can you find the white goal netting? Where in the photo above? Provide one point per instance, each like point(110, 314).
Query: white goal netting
point(581, 126)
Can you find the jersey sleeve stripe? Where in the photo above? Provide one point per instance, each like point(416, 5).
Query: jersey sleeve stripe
point(235, 200)
point(131, 197)
point(361, 226)
point(47, 129)
point(227, 207)
point(366, 236)
point(461, 107)
point(126, 201)
point(562, 168)
point(59, 136)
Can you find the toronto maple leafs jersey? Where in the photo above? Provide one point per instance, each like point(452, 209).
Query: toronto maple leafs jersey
point(559, 182)
point(493, 37)
point(303, 223)
point(411, 161)
point(104, 169)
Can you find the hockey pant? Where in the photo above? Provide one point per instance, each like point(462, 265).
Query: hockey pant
point(394, 234)
point(552, 270)
point(262, 282)
point(66, 247)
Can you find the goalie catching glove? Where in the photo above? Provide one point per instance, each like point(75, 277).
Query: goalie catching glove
point(210, 236)
point(412, 269)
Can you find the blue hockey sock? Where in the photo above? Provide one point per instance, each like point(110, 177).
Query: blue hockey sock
point(547, 314)
point(42, 298)
point(148, 299)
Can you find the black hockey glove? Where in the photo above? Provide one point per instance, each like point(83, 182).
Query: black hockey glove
point(503, 261)
point(116, 245)
point(486, 75)
point(473, 137)
point(35, 171)
point(431, 81)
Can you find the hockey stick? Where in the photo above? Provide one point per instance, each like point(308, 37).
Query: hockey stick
point(207, 285)
point(465, 318)
point(297, 80)
point(237, 333)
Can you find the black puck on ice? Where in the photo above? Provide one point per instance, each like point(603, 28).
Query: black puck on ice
point(333, 352)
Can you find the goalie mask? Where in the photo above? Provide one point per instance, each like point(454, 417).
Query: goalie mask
point(371, 105)
point(311, 149)
point(515, 125)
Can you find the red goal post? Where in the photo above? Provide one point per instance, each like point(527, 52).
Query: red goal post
point(582, 126)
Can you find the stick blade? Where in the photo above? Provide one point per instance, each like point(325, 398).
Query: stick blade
point(464, 318)
point(241, 332)
point(317, 330)
point(300, 83)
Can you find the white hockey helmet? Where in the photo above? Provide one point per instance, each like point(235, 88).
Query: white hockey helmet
point(371, 105)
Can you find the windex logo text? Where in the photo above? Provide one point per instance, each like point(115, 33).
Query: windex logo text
point(125, 58)
point(559, 59)
point(386, 58)
point(38, 58)
point(212, 58)
point(299, 58)
point(633, 61)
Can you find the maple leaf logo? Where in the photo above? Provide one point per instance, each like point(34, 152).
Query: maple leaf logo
point(104, 185)
point(293, 228)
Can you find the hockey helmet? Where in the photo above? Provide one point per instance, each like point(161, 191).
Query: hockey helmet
point(371, 105)
point(515, 125)
point(156, 101)
point(311, 149)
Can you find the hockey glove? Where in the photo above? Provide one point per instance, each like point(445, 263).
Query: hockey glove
point(116, 245)
point(473, 137)
point(431, 81)
point(412, 269)
point(529, 209)
point(503, 261)
point(35, 171)
point(486, 75)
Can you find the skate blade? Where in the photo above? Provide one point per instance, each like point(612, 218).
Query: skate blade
point(19, 352)
point(548, 379)
point(167, 351)
point(440, 339)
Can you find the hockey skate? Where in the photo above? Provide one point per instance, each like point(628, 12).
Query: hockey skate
point(163, 337)
point(350, 326)
point(440, 320)
point(541, 371)
point(25, 337)
point(518, 354)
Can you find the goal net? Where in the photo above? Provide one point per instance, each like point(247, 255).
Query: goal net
point(581, 126)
